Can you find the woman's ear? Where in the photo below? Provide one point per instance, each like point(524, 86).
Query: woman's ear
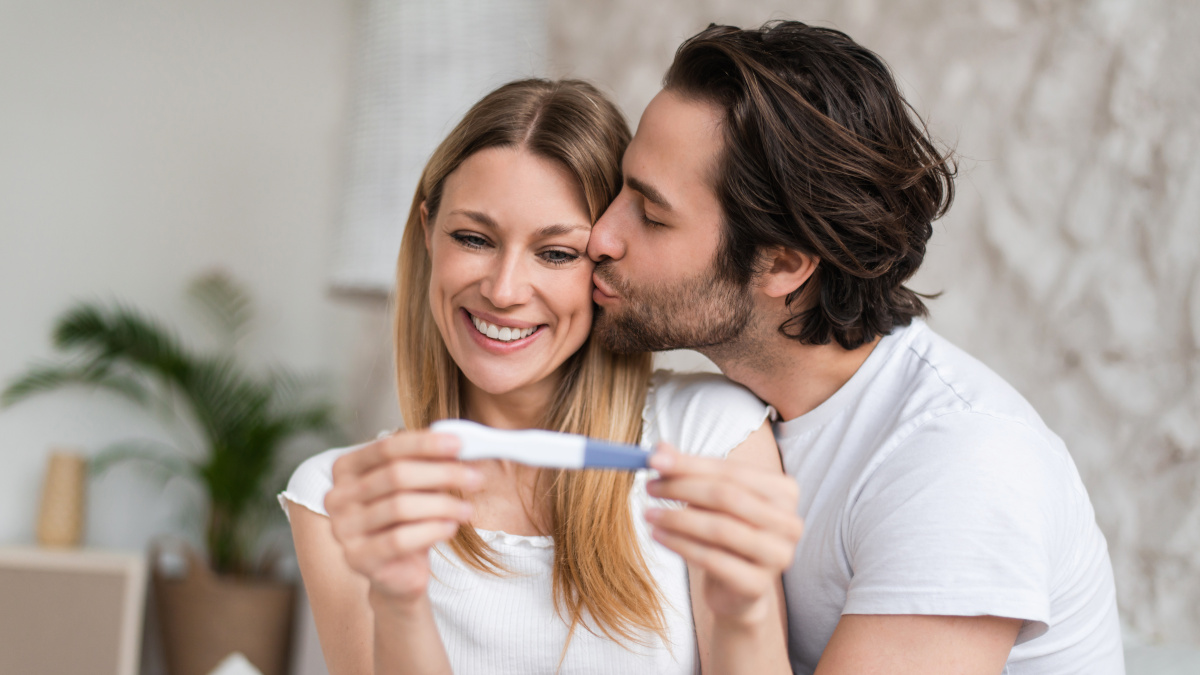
point(786, 270)
point(425, 224)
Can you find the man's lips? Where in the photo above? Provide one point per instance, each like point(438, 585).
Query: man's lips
point(602, 291)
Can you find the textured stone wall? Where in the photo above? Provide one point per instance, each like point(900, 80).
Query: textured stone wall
point(1069, 261)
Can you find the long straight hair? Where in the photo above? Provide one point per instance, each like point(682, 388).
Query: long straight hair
point(598, 566)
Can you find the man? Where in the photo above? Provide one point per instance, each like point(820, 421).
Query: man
point(778, 194)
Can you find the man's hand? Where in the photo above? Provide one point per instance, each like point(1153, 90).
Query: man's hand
point(740, 527)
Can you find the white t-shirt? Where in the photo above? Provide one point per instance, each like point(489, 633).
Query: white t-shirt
point(507, 624)
point(930, 486)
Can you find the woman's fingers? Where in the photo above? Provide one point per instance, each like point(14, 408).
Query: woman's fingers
point(730, 497)
point(718, 531)
point(401, 476)
point(412, 507)
point(776, 489)
point(401, 445)
point(368, 553)
point(411, 476)
point(731, 571)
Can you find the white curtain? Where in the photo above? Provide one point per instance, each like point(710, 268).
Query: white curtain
point(421, 65)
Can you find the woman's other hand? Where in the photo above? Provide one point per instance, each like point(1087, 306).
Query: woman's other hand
point(739, 528)
point(393, 500)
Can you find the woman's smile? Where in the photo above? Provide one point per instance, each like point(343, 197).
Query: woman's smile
point(502, 336)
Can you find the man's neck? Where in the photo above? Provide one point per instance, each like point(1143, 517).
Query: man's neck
point(791, 377)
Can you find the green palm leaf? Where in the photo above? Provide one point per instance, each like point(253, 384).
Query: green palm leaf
point(121, 334)
point(223, 303)
point(153, 457)
point(245, 420)
point(48, 377)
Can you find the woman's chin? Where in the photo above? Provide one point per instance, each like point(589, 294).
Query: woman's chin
point(498, 381)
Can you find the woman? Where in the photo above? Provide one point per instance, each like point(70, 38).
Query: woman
point(416, 562)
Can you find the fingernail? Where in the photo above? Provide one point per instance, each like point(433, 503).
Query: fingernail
point(653, 487)
point(661, 461)
point(652, 515)
point(465, 511)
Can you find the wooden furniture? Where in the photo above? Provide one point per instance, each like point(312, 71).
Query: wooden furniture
point(75, 611)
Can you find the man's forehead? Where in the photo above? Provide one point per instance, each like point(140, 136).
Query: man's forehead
point(676, 145)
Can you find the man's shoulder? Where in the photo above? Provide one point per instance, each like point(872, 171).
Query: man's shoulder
point(939, 378)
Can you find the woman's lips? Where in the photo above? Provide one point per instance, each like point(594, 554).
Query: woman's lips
point(496, 346)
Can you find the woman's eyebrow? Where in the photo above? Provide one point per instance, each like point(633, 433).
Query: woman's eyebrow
point(556, 230)
point(477, 216)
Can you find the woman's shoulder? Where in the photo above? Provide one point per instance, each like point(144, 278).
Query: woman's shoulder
point(313, 479)
point(700, 413)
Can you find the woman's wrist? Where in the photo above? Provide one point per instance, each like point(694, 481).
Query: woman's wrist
point(398, 607)
point(752, 617)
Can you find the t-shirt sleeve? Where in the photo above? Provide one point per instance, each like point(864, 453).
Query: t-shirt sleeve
point(959, 519)
point(312, 480)
point(702, 414)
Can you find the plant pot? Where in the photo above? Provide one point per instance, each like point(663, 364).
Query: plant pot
point(205, 617)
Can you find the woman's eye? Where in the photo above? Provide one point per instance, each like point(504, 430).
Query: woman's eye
point(469, 240)
point(558, 257)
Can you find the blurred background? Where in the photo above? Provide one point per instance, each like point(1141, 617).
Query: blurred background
point(145, 143)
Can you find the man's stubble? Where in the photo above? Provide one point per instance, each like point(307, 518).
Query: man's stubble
point(709, 313)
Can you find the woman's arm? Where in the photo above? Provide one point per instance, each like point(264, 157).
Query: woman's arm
point(338, 594)
point(738, 534)
point(366, 566)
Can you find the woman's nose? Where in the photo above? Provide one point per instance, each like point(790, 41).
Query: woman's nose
point(508, 284)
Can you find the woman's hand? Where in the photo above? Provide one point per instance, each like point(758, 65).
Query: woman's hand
point(739, 527)
point(393, 500)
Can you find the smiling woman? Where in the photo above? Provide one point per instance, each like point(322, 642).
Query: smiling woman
point(414, 559)
point(511, 277)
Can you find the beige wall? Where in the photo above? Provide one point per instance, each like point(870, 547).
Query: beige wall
point(140, 144)
point(1069, 262)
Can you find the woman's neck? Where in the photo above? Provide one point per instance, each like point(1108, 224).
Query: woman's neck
point(507, 502)
point(522, 408)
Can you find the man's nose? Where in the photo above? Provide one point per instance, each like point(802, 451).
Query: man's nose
point(508, 283)
point(607, 240)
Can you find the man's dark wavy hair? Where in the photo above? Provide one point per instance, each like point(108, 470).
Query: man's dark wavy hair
point(822, 155)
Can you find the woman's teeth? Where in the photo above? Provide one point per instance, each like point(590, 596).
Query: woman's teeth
point(501, 333)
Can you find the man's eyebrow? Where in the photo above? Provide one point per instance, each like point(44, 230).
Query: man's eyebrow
point(548, 231)
point(654, 196)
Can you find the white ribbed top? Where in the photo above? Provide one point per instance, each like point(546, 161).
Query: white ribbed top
point(498, 625)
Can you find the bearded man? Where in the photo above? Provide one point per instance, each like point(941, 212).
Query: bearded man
point(778, 194)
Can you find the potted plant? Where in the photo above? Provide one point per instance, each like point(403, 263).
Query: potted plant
point(244, 421)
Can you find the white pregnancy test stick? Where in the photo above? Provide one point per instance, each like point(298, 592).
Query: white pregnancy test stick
point(541, 448)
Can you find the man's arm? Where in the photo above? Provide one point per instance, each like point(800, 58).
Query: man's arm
point(899, 644)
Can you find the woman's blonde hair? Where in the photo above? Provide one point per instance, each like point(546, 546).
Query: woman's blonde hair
point(598, 566)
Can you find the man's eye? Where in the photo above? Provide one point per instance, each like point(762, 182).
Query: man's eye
point(650, 223)
point(557, 257)
point(469, 240)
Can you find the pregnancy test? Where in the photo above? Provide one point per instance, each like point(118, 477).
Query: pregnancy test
point(541, 448)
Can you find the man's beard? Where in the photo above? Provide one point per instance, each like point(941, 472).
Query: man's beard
point(703, 312)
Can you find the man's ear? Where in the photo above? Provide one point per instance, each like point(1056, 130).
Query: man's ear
point(425, 224)
point(786, 270)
